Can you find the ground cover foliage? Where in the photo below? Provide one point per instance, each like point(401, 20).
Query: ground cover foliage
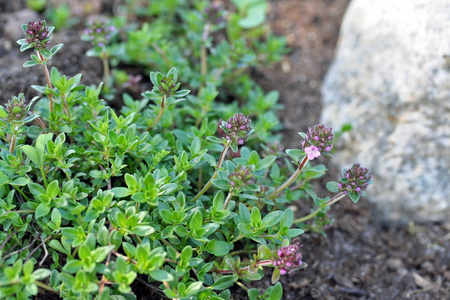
point(176, 188)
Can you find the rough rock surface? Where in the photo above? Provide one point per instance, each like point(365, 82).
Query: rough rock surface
point(390, 79)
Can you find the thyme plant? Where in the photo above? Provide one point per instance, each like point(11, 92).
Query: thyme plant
point(99, 199)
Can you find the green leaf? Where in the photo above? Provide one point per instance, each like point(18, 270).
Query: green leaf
point(332, 186)
point(253, 158)
point(222, 184)
point(40, 274)
point(42, 210)
point(186, 253)
point(266, 162)
point(193, 288)
point(224, 282)
point(21, 181)
point(354, 196)
point(255, 217)
point(272, 219)
point(30, 63)
point(100, 253)
point(36, 189)
point(218, 248)
point(120, 192)
point(210, 159)
point(56, 48)
point(55, 244)
point(3, 179)
point(143, 230)
point(73, 266)
point(275, 276)
point(161, 275)
point(56, 217)
point(253, 294)
point(103, 236)
point(196, 220)
point(53, 189)
point(32, 154)
point(214, 139)
point(276, 293)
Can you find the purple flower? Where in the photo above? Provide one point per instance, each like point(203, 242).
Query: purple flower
point(312, 152)
point(16, 109)
point(241, 177)
point(355, 180)
point(237, 128)
point(288, 258)
point(320, 137)
point(37, 34)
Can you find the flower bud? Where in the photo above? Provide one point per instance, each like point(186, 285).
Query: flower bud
point(237, 128)
point(320, 137)
point(288, 258)
point(37, 34)
point(355, 180)
point(16, 108)
point(241, 177)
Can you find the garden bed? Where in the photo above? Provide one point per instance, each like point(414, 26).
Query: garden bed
point(362, 257)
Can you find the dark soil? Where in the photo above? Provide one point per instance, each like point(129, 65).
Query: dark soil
point(362, 256)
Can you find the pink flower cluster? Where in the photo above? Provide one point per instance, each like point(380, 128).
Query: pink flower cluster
point(37, 33)
point(99, 32)
point(355, 180)
point(237, 128)
point(241, 177)
point(320, 137)
point(289, 258)
point(312, 152)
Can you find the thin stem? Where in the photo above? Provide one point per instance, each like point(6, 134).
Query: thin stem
point(7, 239)
point(336, 198)
point(163, 55)
point(49, 82)
point(21, 192)
point(170, 245)
point(124, 257)
point(22, 211)
point(20, 250)
point(105, 69)
point(246, 251)
point(37, 248)
point(308, 217)
point(261, 263)
point(203, 53)
point(219, 164)
point(12, 143)
point(242, 286)
point(45, 287)
point(290, 180)
point(227, 201)
point(43, 177)
point(330, 202)
point(41, 123)
point(160, 113)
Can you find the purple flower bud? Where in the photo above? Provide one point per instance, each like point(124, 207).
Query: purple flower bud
point(237, 128)
point(36, 34)
point(283, 272)
point(98, 30)
point(358, 179)
point(112, 28)
point(320, 137)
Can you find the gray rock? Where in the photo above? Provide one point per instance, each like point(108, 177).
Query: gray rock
point(13, 27)
point(390, 79)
